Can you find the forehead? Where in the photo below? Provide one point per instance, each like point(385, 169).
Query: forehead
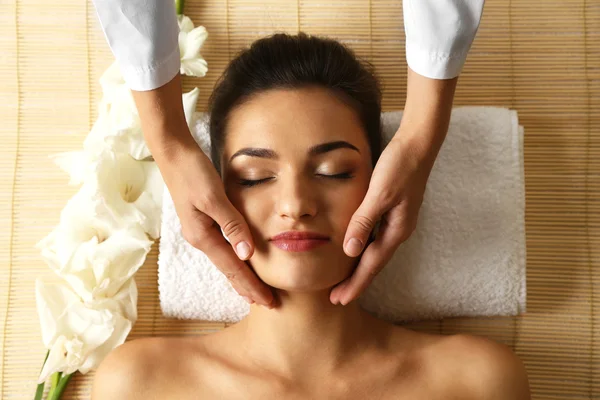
point(293, 120)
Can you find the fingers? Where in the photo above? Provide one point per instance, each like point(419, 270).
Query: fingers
point(240, 275)
point(362, 224)
point(233, 224)
point(205, 234)
point(394, 229)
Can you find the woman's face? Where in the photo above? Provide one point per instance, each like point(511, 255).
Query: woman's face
point(297, 160)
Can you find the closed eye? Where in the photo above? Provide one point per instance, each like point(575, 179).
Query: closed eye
point(345, 175)
point(251, 182)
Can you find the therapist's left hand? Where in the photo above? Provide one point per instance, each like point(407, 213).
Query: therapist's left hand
point(397, 184)
point(394, 198)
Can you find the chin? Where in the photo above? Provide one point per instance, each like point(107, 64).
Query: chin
point(302, 274)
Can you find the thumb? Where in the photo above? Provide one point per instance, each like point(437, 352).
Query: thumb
point(233, 226)
point(361, 225)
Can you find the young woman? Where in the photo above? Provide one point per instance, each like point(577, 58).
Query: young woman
point(295, 130)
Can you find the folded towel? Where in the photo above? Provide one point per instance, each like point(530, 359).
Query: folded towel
point(466, 257)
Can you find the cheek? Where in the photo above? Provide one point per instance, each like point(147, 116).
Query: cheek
point(344, 202)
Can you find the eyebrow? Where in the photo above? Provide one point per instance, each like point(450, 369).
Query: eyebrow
point(313, 151)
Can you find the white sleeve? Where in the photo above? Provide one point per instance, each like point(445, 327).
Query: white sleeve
point(439, 34)
point(143, 36)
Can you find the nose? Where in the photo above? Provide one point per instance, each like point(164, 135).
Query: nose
point(296, 198)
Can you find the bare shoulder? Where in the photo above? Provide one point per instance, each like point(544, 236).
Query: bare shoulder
point(138, 368)
point(480, 368)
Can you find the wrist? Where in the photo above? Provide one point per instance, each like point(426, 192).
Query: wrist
point(426, 117)
point(418, 145)
point(167, 143)
point(163, 120)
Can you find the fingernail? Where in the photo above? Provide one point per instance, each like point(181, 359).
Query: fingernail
point(271, 305)
point(335, 300)
point(243, 250)
point(354, 247)
point(248, 299)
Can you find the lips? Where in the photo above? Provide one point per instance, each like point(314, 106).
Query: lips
point(299, 240)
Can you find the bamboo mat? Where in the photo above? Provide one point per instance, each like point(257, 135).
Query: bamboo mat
point(541, 58)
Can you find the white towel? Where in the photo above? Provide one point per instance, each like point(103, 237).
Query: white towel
point(466, 257)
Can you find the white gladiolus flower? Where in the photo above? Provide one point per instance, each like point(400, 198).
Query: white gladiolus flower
point(79, 335)
point(102, 238)
point(132, 189)
point(116, 93)
point(118, 126)
point(122, 131)
point(190, 99)
point(93, 249)
point(190, 42)
point(76, 163)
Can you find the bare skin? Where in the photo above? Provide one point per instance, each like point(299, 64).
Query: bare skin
point(399, 364)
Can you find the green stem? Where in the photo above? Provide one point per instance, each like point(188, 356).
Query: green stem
point(60, 387)
point(39, 392)
point(179, 4)
point(40, 387)
point(55, 379)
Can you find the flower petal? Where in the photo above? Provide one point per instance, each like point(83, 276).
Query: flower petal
point(124, 301)
point(56, 360)
point(75, 163)
point(185, 23)
point(190, 99)
point(112, 76)
point(194, 67)
point(194, 41)
point(132, 142)
point(51, 302)
point(121, 328)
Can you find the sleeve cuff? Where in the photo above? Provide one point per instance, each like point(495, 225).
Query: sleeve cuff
point(143, 79)
point(432, 64)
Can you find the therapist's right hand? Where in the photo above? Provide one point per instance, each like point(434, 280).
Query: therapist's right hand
point(197, 191)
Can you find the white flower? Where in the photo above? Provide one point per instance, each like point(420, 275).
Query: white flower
point(132, 189)
point(190, 99)
point(116, 93)
point(118, 125)
point(76, 163)
point(93, 249)
point(185, 23)
point(79, 335)
point(190, 42)
point(122, 132)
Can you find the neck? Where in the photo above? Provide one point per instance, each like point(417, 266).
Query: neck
point(306, 333)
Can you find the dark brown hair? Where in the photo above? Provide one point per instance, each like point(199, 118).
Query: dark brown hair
point(285, 61)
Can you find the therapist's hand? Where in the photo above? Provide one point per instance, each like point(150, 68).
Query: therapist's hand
point(197, 190)
point(398, 183)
